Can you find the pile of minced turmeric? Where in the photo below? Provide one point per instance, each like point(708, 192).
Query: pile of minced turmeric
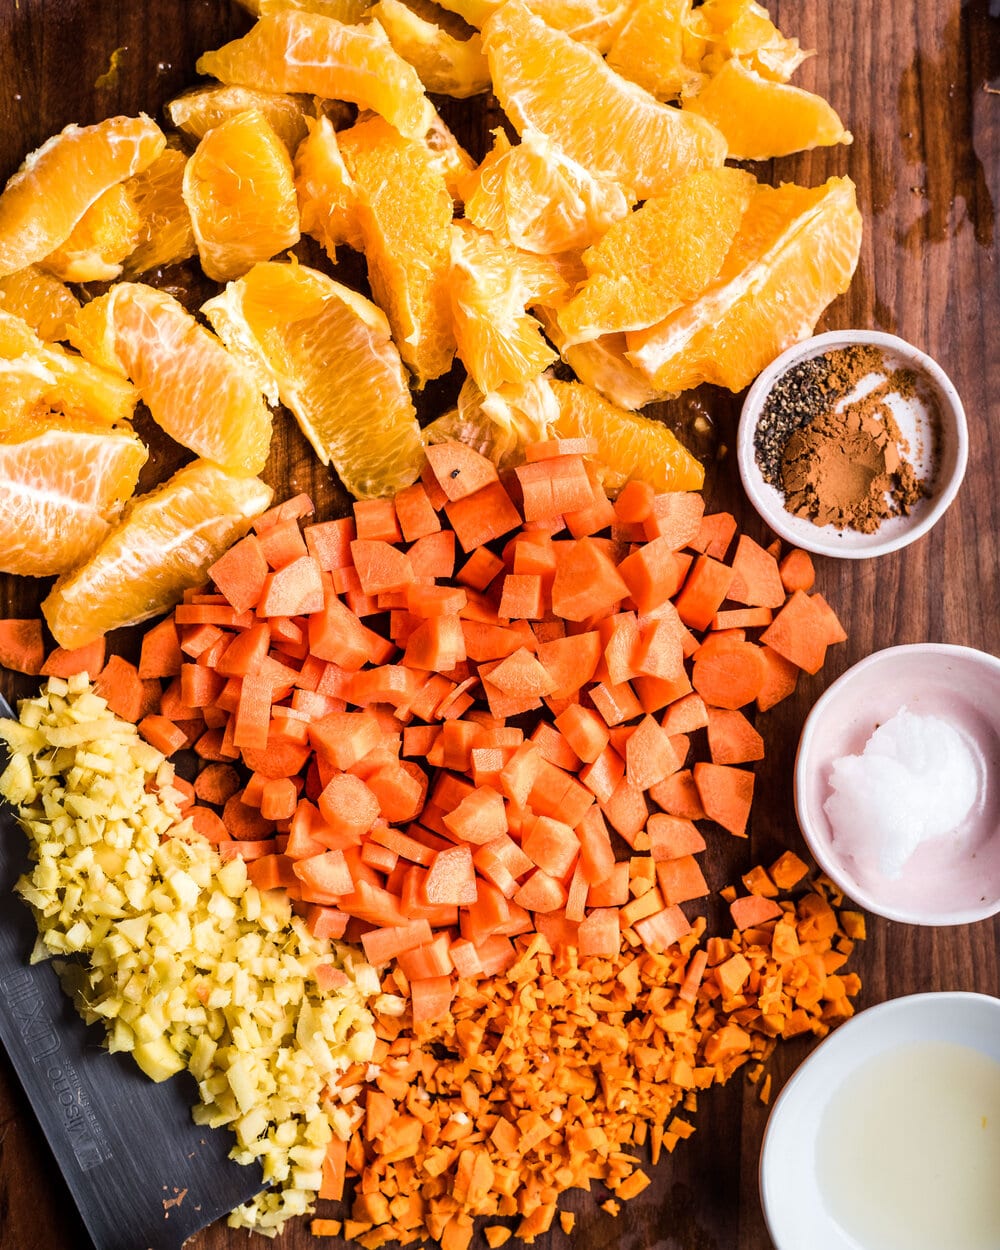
point(558, 1073)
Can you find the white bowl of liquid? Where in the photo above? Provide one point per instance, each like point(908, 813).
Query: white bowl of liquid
point(888, 1136)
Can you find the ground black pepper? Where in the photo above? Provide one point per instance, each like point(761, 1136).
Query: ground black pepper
point(793, 401)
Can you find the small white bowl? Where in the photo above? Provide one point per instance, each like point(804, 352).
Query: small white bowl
point(949, 880)
point(796, 1192)
point(945, 470)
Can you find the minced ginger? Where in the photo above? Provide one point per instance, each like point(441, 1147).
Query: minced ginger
point(189, 965)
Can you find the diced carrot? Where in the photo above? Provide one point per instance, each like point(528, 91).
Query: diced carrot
point(571, 662)
point(672, 836)
point(704, 590)
point(676, 517)
point(161, 654)
point(289, 510)
point(742, 618)
point(282, 544)
point(162, 733)
point(521, 597)
point(22, 647)
point(541, 893)
point(460, 470)
point(752, 910)
point(329, 542)
point(279, 799)
point(731, 738)
point(480, 569)
point(797, 571)
point(756, 578)
point(430, 999)
point(799, 632)
point(732, 676)
point(626, 811)
point(208, 823)
point(240, 574)
point(436, 645)
point(715, 533)
point(380, 565)
point(88, 659)
point(834, 632)
point(615, 703)
point(451, 878)
point(679, 796)
point(245, 823)
point(293, 590)
point(348, 805)
point(216, 783)
point(120, 685)
point(725, 794)
point(586, 583)
point(479, 518)
point(635, 500)
point(584, 730)
point(344, 738)
point(788, 870)
point(649, 757)
point(600, 933)
point(376, 518)
point(383, 945)
point(552, 846)
point(433, 555)
point(680, 879)
point(480, 816)
point(415, 513)
point(661, 930)
point(552, 447)
point(779, 681)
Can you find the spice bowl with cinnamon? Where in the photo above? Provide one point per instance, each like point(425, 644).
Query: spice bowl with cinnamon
point(852, 444)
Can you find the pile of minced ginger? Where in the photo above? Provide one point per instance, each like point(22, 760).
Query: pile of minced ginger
point(551, 1076)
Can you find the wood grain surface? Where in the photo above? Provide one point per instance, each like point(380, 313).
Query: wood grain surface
point(918, 83)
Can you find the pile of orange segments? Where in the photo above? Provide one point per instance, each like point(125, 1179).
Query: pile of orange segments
point(603, 229)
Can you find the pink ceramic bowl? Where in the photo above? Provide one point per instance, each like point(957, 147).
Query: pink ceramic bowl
point(951, 880)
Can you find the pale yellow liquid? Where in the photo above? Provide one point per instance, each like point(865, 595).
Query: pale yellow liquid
point(908, 1153)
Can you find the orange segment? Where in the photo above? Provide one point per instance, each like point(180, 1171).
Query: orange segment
point(491, 286)
point(164, 544)
point(499, 425)
point(106, 233)
point(43, 380)
point(545, 80)
point(658, 257)
point(299, 51)
point(539, 200)
point(194, 389)
point(660, 47)
point(59, 181)
point(165, 234)
point(628, 445)
point(587, 21)
point(796, 250)
point(61, 488)
point(404, 220)
point(327, 352)
point(743, 28)
point(45, 303)
point(328, 198)
point(601, 363)
point(240, 191)
point(761, 119)
point(446, 65)
point(201, 110)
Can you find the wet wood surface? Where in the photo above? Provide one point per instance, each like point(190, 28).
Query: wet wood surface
point(918, 83)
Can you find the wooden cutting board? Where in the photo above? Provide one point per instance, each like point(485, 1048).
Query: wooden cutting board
point(917, 82)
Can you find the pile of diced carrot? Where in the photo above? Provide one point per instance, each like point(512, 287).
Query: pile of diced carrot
point(395, 789)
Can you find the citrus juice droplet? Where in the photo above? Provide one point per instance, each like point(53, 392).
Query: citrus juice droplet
point(908, 1153)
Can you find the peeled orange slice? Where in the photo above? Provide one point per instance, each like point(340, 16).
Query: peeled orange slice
point(195, 390)
point(761, 118)
point(45, 303)
point(404, 221)
point(300, 51)
point(42, 380)
point(106, 233)
point(201, 110)
point(595, 22)
point(658, 257)
point(491, 287)
point(796, 249)
point(327, 353)
point(660, 47)
point(59, 181)
point(602, 364)
point(240, 191)
point(500, 424)
point(546, 81)
point(628, 444)
point(163, 544)
point(165, 234)
point(446, 65)
point(328, 198)
point(743, 28)
point(61, 489)
point(534, 197)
